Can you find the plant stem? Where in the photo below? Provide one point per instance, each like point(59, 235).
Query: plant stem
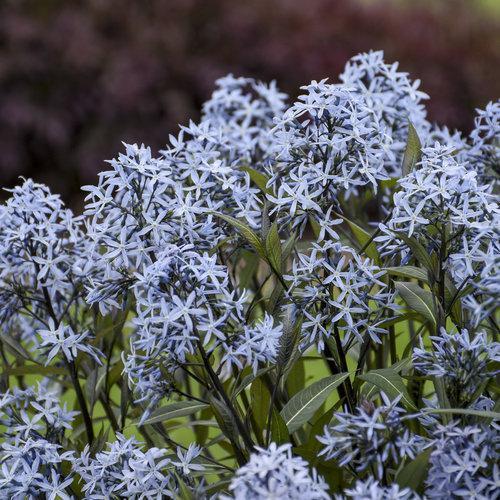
point(81, 399)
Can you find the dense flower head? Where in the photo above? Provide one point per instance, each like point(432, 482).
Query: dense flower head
point(371, 489)
point(335, 288)
point(136, 208)
point(461, 359)
point(442, 204)
point(274, 472)
point(243, 110)
point(391, 95)
point(31, 452)
point(371, 438)
point(464, 462)
point(41, 252)
point(124, 469)
point(182, 299)
point(329, 142)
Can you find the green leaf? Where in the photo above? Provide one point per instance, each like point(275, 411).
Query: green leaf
point(225, 420)
point(451, 294)
point(419, 252)
point(258, 178)
point(313, 445)
point(35, 370)
point(408, 272)
point(464, 411)
point(15, 347)
point(279, 431)
point(273, 248)
point(417, 298)
point(249, 379)
point(387, 380)
point(363, 237)
point(295, 377)
point(288, 247)
point(251, 264)
point(413, 474)
point(413, 150)
point(288, 345)
point(174, 410)
point(260, 404)
point(246, 232)
point(304, 404)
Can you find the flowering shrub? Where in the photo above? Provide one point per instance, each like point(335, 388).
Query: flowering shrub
point(289, 301)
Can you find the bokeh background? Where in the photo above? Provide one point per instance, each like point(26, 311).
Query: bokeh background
point(78, 77)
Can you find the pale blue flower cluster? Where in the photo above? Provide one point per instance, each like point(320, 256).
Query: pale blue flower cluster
point(157, 241)
point(274, 473)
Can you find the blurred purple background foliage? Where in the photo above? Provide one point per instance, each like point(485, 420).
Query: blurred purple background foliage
point(77, 77)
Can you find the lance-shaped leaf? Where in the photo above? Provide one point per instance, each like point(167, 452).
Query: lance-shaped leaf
point(246, 232)
point(174, 410)
point(304, 404)
point(413, 150)
point(258, 178)
point(273, 248)
point(418, 299)
point(413, 474)
point(408, 272)
point(388, 381)
point(419, 252)
point(279, 430)
point(365, 239)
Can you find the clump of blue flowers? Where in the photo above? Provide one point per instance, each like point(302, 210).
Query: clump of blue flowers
point(290, 300)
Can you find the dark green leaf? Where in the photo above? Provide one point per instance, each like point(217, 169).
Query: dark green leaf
point(304, 404)
point(258, 178)
point(175, 410)
point(413, 474)
point(273, 248)
point(387, 380)
point(246, 232)
point(408, 272)
point(418, 299)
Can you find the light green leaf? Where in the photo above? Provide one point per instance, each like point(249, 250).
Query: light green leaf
point(174, 410)
point(387, 380)
point(304, 404)
point(249, 379)
point(413, 150)
point(418, 299)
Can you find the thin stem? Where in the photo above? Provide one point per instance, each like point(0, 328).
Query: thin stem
point(81, 399)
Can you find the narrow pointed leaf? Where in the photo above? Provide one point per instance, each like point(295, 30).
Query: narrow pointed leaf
point(418, 299)
point(246, 232)
point(388, 381)
point(301, 407)
point(413, 150)
point(408, 272)
point(174, 410)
